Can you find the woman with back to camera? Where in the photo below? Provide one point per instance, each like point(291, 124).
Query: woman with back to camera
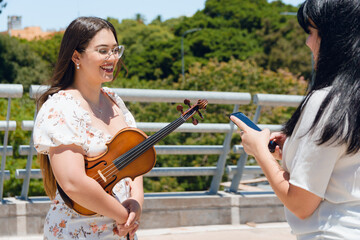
point(76, 119)
point(319, 182)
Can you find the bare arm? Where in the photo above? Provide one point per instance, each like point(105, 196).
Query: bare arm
point(134, 205)
point(135, 202)
point(299, 201)
point(67, 163)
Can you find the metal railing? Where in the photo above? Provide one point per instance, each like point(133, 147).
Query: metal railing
point(8, 91)
point(261, 100)
point(170, 96)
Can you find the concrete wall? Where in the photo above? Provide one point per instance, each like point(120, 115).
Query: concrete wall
point(161, 210)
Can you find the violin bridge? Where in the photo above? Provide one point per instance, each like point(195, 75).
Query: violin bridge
point(102, 176)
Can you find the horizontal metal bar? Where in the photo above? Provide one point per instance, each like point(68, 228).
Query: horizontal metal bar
point(9, 150)
point(34, 174)
point(189, 149)
point(27, 125)
point(12, 125)
point(271, 127)
point(11, 90)
point(155, 95)
point(161, 150)
point(164, 171)
point(181, 171)
point(186, 127)
point(37, 90)
point(150, 95)
point(155, 172)
point(232, 170)
point(7, 174)
point(277, 100)
point(238, 149)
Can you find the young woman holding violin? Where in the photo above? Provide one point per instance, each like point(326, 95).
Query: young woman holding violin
point(319, 180)
point(77, 117)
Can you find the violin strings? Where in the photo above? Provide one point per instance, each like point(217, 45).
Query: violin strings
point(141, 148)
point(137, 151)
point(157, 136)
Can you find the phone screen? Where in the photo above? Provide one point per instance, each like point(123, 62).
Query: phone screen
point(246, 120)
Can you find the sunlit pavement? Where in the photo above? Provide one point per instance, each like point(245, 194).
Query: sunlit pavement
point(250, 231)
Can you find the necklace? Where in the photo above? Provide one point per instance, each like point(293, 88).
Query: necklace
point(94, 107)
point(97, 109)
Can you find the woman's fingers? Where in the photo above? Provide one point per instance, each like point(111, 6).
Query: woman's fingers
point(242, 126)
point(121, 230)
point(131, 219)
point(133, 231)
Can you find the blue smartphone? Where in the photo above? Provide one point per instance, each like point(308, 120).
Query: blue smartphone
point(247, 121)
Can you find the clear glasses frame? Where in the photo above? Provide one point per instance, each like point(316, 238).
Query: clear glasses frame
point(105, 52)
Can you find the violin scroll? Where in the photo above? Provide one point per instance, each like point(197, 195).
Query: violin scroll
point(201, 104)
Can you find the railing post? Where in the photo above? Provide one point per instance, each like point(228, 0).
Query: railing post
point(242, 160)
point(26, 183)
point(5, 142)
point(215, 183)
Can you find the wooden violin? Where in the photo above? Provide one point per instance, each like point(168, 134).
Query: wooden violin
point(130, 153)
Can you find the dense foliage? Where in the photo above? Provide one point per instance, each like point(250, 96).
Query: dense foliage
point(243, 46)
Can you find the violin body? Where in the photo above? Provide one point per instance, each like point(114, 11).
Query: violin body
point(121, 143)
point(130, 153)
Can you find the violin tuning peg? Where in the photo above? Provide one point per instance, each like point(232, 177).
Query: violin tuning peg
point(179, 108)
point(187, 102)
point(195, 121)
point(201, 116)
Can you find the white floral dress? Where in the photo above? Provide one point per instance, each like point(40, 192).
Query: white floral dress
point(62, 121)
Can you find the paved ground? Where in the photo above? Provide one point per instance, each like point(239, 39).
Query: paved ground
point(265, 231)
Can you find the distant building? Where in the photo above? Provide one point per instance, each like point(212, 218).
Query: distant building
point(28, 33)
point(14, 22)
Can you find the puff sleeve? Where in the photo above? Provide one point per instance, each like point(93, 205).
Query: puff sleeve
point(60, 121)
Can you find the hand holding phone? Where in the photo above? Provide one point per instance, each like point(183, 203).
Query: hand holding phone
point(272, 144)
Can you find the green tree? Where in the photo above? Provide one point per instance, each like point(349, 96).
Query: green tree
point(47, 49)
point(19, 64)
point(148, 53)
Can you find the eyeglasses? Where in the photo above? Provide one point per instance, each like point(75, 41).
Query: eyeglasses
point(106, 52)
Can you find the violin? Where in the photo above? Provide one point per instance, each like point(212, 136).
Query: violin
point(131, 153)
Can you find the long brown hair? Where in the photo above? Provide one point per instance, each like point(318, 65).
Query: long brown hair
point(76, 37)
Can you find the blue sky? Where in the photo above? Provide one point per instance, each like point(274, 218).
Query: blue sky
point(56, 15)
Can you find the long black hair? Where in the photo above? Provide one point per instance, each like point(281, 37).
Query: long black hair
point(338, 66)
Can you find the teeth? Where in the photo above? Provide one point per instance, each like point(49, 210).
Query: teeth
point(108, 67)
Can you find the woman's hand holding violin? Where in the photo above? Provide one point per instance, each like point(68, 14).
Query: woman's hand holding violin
point(133, 221)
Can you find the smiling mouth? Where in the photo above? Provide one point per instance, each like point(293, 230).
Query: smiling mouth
point(108, 69)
